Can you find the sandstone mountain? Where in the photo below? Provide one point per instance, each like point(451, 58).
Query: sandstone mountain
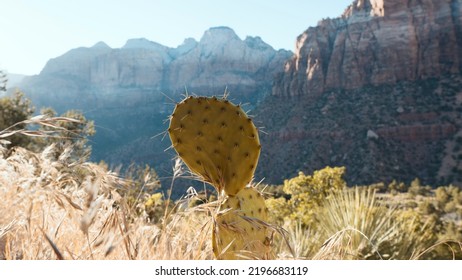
point(101, 76)
point(128, 91)
point(378, 90)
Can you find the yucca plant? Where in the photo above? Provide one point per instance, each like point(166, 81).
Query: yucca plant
point(355, 225)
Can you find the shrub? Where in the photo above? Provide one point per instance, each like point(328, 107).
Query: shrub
point(394, 187)
point(13, 111)
point(415, 235)
point(416, 188)
point(427, 208)
point(306, 193)
point(154, 207)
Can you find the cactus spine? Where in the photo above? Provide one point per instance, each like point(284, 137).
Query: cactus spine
point(220, 143)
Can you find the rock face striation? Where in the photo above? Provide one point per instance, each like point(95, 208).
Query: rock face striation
point(377, 90)
point(376, 42)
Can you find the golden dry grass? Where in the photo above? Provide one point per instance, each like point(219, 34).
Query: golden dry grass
point(58, 209)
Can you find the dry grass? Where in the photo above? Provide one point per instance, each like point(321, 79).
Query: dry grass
point(54, 208)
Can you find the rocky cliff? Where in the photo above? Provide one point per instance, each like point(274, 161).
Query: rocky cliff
point(219, 60)
point(376, 42)
point(377, 90)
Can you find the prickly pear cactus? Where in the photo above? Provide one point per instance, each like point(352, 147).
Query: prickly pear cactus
point(219, 142)
point(239, 230)
point(216, 140)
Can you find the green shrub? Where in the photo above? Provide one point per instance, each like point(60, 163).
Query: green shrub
point(448, 198)
point(397, 187)
point(154, 207)
point(427, 208)
point(416, 188)
point(14, 110)
point(415, 234)
point(305, 194)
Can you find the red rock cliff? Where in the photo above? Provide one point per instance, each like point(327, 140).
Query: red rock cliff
point(376, 42)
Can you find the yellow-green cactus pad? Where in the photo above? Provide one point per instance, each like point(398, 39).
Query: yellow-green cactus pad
point(240, 231)
point(216, 140)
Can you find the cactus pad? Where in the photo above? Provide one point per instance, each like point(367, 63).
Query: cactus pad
point(239, 230)
point(216, 140)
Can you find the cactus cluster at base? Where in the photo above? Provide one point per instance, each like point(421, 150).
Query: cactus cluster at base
point(219, 143)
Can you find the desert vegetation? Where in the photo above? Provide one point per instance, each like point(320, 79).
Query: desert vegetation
point(55, 204)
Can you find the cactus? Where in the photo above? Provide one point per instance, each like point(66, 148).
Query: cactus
point(220, 143)
point(217, 141)
point(239, 231)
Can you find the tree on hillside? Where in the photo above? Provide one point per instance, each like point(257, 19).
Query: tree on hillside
point(3, 81)
point(17, 125)
point(13, 111)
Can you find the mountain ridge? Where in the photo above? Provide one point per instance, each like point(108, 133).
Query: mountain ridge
point(219, 60)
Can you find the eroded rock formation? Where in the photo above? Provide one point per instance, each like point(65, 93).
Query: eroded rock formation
point(376, 42)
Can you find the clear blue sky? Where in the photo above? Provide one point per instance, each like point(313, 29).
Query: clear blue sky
point(32, 31)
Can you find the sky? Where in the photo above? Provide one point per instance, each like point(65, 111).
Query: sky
point(32, 32)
